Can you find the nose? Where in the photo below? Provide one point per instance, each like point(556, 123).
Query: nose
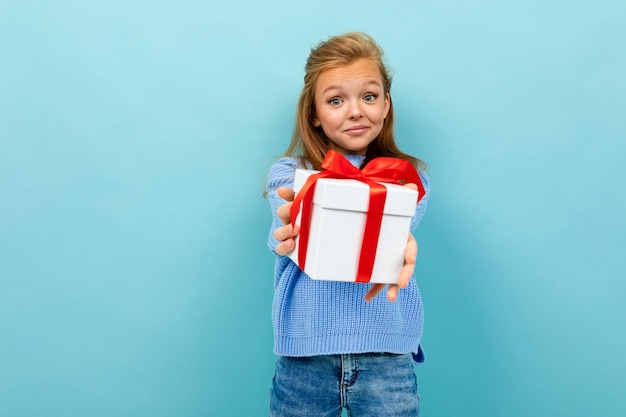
point(355, 111)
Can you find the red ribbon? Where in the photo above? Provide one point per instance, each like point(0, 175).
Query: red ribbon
point(335, 165)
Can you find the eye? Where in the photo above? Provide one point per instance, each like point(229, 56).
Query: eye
point(335, 101)
point(370, 97)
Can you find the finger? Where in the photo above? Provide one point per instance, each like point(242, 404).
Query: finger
point(406, 273)
point(285, 193)
point(285, 236)
point(283, 213)
point(410, 255)
point(411, 185)
point(373, 292)
point(283, 248)
point(286, 232)
point(392, 292)
point(410, 252)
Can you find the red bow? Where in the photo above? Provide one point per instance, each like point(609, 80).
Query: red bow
point(335, 165)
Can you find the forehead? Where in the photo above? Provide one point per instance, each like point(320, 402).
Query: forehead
point(362, 71)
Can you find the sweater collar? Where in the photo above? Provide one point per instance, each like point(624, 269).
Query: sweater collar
point(355, 160)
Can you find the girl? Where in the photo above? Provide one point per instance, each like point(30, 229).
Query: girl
point(338, 344)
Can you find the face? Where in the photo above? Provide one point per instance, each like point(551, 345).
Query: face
point(351, 106)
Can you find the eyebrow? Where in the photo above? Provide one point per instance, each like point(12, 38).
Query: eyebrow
point(338, 86)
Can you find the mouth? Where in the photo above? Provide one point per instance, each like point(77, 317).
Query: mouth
point(356, 130)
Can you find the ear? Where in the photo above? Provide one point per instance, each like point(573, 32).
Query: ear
point(387, 104)
point(316, 121)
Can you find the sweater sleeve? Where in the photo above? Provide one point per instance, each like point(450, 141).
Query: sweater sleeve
point(281, 175)
point(420, 210)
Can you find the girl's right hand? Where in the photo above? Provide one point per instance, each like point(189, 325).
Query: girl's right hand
point(286, 233)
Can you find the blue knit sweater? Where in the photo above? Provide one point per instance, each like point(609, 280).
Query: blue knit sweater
point(326, 317)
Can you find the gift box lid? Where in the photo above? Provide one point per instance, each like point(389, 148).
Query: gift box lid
point(353, 195)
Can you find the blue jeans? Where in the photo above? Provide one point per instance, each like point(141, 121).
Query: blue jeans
point(370, 384)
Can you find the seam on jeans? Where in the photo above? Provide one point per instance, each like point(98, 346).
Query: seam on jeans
point(343, 394)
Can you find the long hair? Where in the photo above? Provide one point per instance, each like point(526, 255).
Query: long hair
point(309, 142)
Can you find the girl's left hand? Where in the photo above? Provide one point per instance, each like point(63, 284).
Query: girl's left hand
point(410, 255)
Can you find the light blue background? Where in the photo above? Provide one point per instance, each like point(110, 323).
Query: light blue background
point(135, 137)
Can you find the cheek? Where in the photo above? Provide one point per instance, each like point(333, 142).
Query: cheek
point(380, 114)
point(327, 119)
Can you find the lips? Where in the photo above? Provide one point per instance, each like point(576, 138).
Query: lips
point(357, 130)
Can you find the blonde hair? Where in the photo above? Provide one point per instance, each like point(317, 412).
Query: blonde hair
point(309, 142)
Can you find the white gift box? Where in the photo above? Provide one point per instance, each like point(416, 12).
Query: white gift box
point(336, 229)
